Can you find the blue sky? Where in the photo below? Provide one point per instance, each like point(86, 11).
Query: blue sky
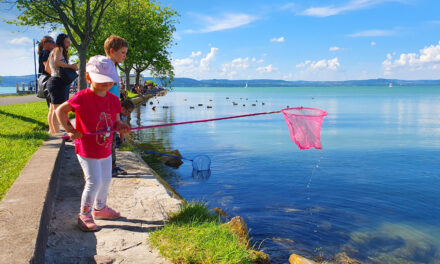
point(290, 40)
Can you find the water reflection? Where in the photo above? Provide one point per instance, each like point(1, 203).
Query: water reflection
point(201, 175)
point(378, 169)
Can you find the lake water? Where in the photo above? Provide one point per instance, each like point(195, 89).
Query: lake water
point(7, 90)
point(372, 192)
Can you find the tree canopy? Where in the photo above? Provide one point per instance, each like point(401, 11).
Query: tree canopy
point(148, 29)
point(81, 20)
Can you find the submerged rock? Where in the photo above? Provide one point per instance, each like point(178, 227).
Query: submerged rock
point(297, 259)
point(172, 161)
point(284, 241)
point(342, 258)
point(220, 211)
point(238, 226)
point(259, 257)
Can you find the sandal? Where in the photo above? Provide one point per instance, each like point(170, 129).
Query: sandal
point(118, 171)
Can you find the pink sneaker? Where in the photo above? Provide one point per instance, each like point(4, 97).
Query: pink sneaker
point(106, 213)
point(86, 223)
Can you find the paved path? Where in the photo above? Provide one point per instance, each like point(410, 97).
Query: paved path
point(141, 199)
point(9, 100)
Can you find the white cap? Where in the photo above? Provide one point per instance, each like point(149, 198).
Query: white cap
point(102, 70)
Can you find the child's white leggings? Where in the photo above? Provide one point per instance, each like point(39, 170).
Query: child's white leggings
point(98, 173)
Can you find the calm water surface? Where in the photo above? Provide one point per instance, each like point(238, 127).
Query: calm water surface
point(7, 90)
point(372, 192)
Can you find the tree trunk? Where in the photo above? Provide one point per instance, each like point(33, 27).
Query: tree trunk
point(138, 73)
point(82, 54)
point(127, 78)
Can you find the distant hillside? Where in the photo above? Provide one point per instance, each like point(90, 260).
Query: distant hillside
point(13, 80)
point(188, 82)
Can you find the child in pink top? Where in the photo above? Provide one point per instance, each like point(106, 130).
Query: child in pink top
point(95, 109)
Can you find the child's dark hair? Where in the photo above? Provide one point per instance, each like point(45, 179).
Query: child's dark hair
point(127, 104)
point(114, 42)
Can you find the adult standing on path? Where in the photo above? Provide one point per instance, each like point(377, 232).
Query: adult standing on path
point(58, 90)
point(45, 46)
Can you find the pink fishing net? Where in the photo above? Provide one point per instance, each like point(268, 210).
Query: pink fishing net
point(305, 126)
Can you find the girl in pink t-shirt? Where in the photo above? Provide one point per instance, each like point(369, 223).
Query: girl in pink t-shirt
point(95, 109)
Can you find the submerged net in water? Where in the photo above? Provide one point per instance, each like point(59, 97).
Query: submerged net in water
point(305, 126)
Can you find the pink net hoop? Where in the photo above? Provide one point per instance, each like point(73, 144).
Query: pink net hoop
point(305, 126)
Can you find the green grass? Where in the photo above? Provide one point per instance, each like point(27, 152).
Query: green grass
point(23, 128)
point(194, 235)
point(131, 95)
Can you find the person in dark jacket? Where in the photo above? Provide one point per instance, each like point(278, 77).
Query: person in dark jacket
point(45, 46)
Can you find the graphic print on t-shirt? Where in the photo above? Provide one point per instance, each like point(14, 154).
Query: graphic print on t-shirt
point(104, 124)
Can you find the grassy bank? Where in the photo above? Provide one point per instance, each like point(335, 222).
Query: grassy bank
point(23, 128)
point(195, 235)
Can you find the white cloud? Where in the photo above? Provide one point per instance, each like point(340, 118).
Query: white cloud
point(280, 39)
point(196, 54)
point(323, 64)
point(227, 21)
point(334, 48)
point(373, 33)
point(288, 77)
point(267, 69)
point(195, 66)
point(321, 70)
point(425, 64)
point(20, 61)
point(325, 11)
point(240, 63)
point(182, 62)
point(373, 43)
point(21, 41)
point(209, 58)
point(239, 67)
point(288, 6)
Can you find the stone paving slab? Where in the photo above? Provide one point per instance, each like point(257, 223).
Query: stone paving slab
point(142, 200)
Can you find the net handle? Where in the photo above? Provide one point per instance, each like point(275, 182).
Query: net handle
point(181, 123)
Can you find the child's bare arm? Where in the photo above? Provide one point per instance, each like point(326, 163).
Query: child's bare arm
point(62, 116)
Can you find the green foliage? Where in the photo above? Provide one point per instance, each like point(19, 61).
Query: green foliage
point(80, 19)
point(151, 83)
point(194, 212)
point(130, 94)
point(194, 235)
point(148, 29)
point(23, 128)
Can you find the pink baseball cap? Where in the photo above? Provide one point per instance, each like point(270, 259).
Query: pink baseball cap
point(102, 70)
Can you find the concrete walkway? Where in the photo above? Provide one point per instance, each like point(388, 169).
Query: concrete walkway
point(9, 100)
point(141, 199)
